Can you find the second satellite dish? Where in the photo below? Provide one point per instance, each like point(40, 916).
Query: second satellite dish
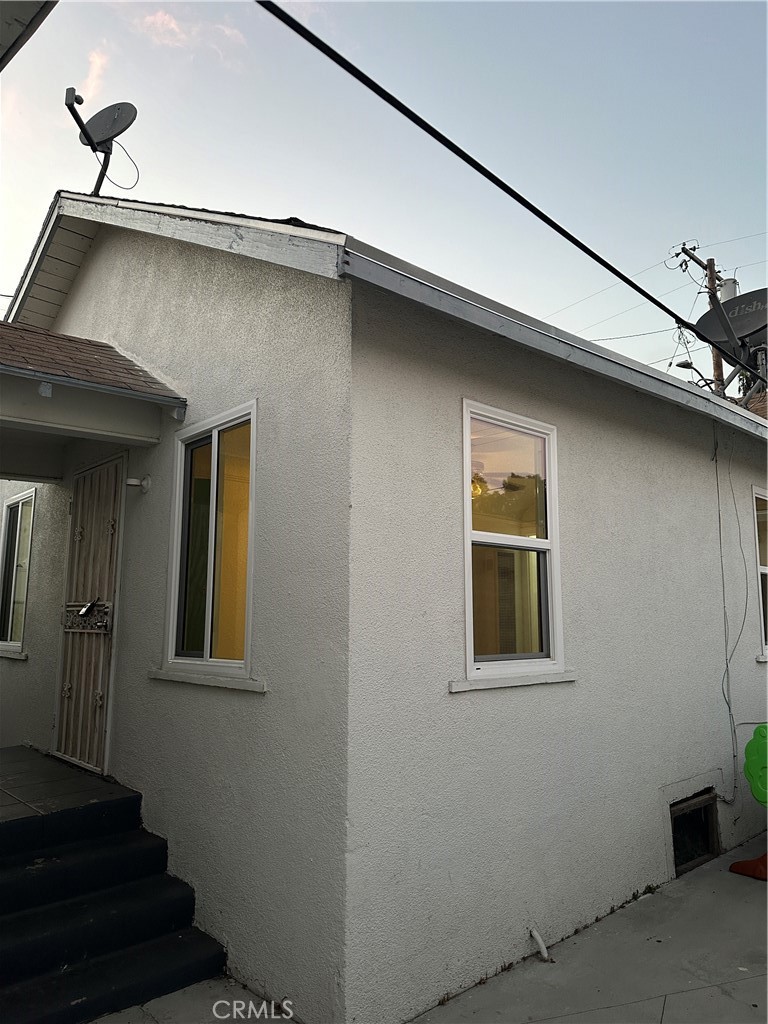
point(748, 316)
point(108, 123)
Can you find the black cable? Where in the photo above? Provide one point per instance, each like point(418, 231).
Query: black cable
point(125, 188)
point(462, 154)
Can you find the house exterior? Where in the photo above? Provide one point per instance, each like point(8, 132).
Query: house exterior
point(417, 621)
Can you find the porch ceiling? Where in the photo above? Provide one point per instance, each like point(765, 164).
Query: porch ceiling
point(55, 389)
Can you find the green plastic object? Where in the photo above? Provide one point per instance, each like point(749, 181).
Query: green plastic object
point(756, 764)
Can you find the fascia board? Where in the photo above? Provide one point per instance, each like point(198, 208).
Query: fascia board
point(441, 296)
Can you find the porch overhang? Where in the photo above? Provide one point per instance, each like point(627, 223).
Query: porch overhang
point(55, 389)
point(40, 415)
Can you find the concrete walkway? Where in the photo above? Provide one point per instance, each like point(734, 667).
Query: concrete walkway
point(692, 953)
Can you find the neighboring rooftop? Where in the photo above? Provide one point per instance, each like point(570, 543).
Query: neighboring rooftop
point(27, 351)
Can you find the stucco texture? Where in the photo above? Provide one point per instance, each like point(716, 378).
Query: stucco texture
point(249, 788)
point(27, 687)
point(362, 840)
point(476, 816)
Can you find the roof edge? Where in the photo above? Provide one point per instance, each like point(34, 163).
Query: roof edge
point(176, 402)
point(410, 282)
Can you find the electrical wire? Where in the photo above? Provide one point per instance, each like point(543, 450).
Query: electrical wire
point(726, 241)
point(743, 266)
point(621, 337)
point(725, 682)
point(680, 335)
point(656, 362)
point(708, 245)
point(630, 309)
point(494, 179)
point(606, 289)
point(125, 188)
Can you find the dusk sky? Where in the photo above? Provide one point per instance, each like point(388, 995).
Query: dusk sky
point(635, 125)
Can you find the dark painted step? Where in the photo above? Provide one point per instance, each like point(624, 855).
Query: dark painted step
point(111, 983)
point(65, 933)
point(32, 878)
point(71, 817)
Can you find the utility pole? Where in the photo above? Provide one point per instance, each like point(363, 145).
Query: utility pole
point(712, 285)
point(717, 359)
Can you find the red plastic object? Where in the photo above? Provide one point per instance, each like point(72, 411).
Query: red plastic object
point(756, 868)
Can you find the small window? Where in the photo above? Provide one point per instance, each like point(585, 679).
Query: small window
point(761, 529)
point(512, 572)
point(16, 548)
point(214, 512)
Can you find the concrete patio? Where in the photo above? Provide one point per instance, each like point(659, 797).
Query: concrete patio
point(692, 953)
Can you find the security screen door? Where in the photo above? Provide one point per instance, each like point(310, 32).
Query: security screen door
point(88, 614)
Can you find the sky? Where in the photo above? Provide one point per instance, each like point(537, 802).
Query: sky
point(637, 126)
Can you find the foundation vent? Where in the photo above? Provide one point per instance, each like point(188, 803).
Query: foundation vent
point(695, 834)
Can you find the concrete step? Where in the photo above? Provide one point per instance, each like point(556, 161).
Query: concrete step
point(115, 981)
point(33, 878)
point(58, 935)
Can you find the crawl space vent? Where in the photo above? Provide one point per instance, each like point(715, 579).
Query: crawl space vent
point(694, 830)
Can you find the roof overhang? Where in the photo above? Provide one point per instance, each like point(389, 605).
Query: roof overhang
point(19, 20)
point(73, 221)
point(365, 263)
point(41, 414)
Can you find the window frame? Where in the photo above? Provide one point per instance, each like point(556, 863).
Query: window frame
point(515, 667)
point(207, 666)
point(16, 646)
point(762, 570)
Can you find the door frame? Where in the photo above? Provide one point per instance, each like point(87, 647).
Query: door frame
point(122, 458)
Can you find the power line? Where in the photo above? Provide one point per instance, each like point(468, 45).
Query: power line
point(621, 337)
point(701, 348)
point(629, 310)
point(606, 289)
point(743, 266)
point(726, 241)
point(708, 245)
point(438, 136)
point(681, 338)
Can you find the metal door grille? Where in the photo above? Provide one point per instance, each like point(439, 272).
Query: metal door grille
point(87, 619)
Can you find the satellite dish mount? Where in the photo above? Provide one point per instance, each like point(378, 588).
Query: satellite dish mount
point(100, 130)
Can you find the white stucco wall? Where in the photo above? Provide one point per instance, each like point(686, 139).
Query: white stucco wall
point(249, 788)
point(27, 687)
point(474, 816)
point(361, 840)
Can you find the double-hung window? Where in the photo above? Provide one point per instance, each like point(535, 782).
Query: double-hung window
point(14, 571)
point(513, 594)
point(761, 530)
point(211, 585)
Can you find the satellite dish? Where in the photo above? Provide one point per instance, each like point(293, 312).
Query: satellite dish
point(101, 129)
point(109, 123)
point(748, 316)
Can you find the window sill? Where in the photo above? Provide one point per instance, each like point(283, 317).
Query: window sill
point(202, 679)
point(498, 682)
point(14, 655)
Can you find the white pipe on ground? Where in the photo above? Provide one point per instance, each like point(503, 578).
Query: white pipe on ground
point(540, 943)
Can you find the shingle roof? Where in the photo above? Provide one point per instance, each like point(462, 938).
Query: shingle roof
point(36, 352)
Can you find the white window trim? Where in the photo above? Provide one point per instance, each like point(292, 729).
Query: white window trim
point(14, 647)
point(758, 492)
point(523, 671)
point(213, 671)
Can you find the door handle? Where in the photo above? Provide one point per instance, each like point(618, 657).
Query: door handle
point(88, 608)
